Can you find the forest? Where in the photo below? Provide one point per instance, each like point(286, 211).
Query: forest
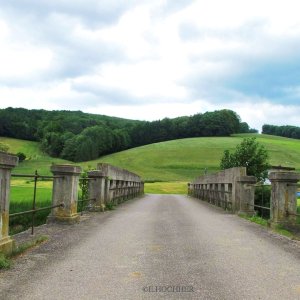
point(285, 131)
point(78, 136)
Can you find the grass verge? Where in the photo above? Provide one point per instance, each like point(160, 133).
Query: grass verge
point(263, 222)
point(255, 219)
point(174, 187)
point(6, 261)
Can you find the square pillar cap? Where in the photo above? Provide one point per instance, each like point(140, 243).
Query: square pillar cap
point(95, 174)
point(8, 161)
point(284, 176)
point(246, 179)
point(65, 169)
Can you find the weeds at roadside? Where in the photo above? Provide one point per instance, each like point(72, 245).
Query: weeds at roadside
point(110, 206)
point(255, 219)
point(6, 260)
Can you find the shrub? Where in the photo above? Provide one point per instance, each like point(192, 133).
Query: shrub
point(21, 156)
point(3, 147)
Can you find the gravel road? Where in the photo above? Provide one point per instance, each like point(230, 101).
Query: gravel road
point(158, 247)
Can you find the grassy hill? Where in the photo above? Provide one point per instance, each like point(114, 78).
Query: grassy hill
point(178, 160)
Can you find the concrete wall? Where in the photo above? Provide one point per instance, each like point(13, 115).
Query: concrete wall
point(119, 184)
point(284, 197)
point(231, 189)
point(109, 184)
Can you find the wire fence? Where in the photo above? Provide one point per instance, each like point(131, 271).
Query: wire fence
point(34, 209)
point(28, 216)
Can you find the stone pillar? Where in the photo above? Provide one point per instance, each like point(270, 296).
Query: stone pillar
point(222, 195)
point(283, 197)
point(65, 190)
point(97, 190)
point(244, 195)
point(189, 189)
point(7, 162)
point(142, 191)
point(106, 190)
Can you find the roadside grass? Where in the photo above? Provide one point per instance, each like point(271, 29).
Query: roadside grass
point(283, 231)
point(175, 187)
point(6, 260)
point(255, 219)
point(279, 228)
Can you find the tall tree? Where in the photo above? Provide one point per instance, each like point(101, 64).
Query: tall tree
point(249, 154)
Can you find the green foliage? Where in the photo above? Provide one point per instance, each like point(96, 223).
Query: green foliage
point(285, 131)
point(110, 206)
point(29, 244)
point(3, 147)
point(182, 159)
point(5, 263)
point(256, 219)
point(21, 156)
point(78, 136)
point(249, 154)
point(263, 198)
point(84, 185)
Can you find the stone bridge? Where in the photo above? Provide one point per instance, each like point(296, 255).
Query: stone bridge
point(233, 189)
point(155, 246)
point(106, 185)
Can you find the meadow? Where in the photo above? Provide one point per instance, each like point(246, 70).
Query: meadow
point(177, 160)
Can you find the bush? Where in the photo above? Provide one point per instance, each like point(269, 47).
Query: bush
point(263, 198)
point(3, 147)
point(21, 156)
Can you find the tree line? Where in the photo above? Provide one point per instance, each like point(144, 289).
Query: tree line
point(285, 131)
point(78, 136)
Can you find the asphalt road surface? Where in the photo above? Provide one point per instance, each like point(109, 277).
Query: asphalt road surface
point(158, 247)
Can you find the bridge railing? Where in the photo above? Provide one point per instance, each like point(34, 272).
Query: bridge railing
point(107, 185)
point(230, 189)
point(233, 190)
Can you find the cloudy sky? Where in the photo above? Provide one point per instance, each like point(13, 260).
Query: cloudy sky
point(153, 59)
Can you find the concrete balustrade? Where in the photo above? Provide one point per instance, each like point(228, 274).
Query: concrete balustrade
point(96, 188)
point(283, 197)
point(120, 184)
point(245, 192)
point(7, 163)
point(231, 189)
point(108, 184)
point(65, 191)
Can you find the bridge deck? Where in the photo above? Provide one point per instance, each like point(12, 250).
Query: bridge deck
point(158, 241)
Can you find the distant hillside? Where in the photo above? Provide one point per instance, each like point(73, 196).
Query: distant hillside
point(178, 160)
point(285, 131)
point(78, 136)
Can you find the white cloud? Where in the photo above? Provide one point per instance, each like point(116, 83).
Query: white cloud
point(153, 59)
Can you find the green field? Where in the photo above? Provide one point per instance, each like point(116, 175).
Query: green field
point(185, 159)
point(172, 161)
point(178, 160)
